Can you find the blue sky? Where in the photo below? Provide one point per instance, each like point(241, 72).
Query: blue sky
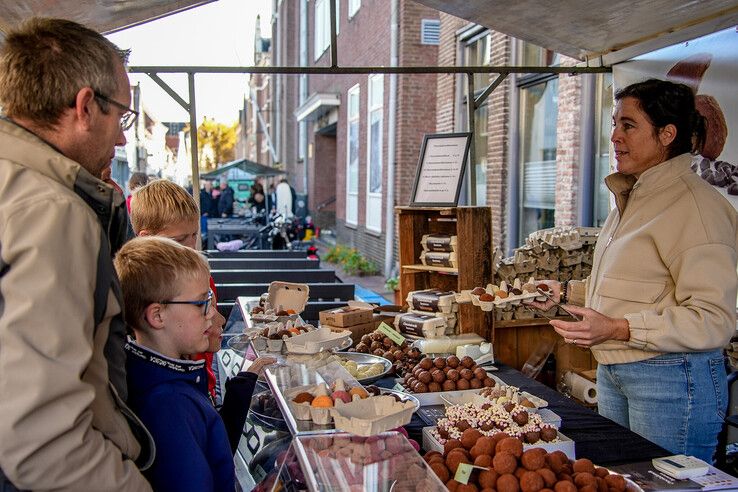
point(216, 34)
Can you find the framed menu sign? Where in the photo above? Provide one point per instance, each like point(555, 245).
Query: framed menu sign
point(441, 167)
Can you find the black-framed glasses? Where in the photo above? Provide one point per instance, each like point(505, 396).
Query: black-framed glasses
point(129, 115)
point(206, 303)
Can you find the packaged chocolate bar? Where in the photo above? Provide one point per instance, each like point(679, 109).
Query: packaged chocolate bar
point(431, 258)
point(438, 242)
point(433, 300)
point(420, 325)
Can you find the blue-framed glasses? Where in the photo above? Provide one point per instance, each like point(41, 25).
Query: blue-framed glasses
point(206, 303)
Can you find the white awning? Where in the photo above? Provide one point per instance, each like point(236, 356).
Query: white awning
point(105, 16)
point(317, 105)
point(615, 30)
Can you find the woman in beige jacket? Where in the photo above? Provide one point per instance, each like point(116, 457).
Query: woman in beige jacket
point(661, 298)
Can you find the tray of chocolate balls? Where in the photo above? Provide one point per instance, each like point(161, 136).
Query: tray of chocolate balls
point(403, 357)
point(506, 464)
point(432, 377)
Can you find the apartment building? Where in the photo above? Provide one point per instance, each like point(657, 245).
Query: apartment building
point(541, 141)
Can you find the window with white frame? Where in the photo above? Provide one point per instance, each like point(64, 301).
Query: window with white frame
point(353, 7)
point(375, 140)
point(352, 157)
point(323, 25)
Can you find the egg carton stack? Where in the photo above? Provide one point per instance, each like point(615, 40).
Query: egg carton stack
point(439, 250)
point(560, 253)
point(431, 313)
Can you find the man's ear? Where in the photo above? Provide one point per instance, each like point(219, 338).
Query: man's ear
point(154, 315)
point(144, 232)
point(667, 135)
point(83, 102)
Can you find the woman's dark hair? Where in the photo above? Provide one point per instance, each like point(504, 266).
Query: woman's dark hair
point(668, 103)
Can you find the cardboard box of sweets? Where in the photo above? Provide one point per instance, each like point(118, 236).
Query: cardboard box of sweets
point(356, 313)
point(357, 331)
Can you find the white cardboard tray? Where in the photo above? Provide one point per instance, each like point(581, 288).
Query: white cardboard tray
point(563, 444)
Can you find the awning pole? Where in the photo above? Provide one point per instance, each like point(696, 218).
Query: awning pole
point(472, 162)
point(193, 146)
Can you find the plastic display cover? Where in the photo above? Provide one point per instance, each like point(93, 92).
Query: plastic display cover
point(378, 463)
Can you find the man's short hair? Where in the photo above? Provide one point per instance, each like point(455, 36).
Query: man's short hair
point(45, 63)
point(152, 269)
point(159, 204)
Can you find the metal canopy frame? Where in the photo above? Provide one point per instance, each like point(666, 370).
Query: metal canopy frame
point(502, 71)
point(472, 103)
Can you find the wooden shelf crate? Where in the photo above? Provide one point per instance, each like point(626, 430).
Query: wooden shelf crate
point(473, 228)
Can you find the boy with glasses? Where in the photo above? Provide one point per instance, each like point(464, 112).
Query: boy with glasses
point(169, 305)
point(163, 208)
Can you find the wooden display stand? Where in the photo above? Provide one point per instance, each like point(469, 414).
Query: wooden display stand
point(473, 228)
point(516, 340)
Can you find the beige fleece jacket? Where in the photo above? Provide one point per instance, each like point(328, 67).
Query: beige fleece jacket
point(666, 262)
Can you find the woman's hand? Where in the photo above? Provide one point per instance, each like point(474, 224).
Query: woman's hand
point(260, 363)
point(554, 290)
point(594, 328)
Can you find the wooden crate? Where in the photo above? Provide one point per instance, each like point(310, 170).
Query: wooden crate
point(516, 340)
point(473, 228)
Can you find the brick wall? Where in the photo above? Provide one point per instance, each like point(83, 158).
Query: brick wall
point(415, 117)
point(497, 140)
point(446, 83)
point(568, 147)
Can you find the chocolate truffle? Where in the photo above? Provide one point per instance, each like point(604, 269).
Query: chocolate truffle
point(533, 459)
point(504, 463)
point(449, 385)
point(565, 486)
point(521, 417)
point(531, 482)
point(469, 438)
point(453, 361)
point(453, 375)
point(450, 445)
point(548, 434)
point(439, 362)
point(441, 471)
point(510, 445)
point(509, 483)
point(425, 377)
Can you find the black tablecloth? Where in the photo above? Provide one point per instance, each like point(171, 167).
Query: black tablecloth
point(596, 437)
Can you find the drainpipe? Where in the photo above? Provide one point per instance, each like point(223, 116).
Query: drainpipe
point(389, 236)
point(587, 159)
point(302, 96)
point(513, 167)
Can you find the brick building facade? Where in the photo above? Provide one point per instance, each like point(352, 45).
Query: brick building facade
point(534, 135)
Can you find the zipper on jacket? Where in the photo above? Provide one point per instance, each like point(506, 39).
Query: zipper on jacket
point(609, 241)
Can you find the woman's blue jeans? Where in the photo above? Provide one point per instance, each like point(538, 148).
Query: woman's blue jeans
point(676, 400)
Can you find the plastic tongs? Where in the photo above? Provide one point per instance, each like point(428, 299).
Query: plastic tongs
point(547, 295)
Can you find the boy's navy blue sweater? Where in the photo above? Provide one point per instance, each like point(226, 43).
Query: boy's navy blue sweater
point(171, 398)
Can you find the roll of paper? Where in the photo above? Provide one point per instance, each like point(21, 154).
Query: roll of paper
point(582, 388)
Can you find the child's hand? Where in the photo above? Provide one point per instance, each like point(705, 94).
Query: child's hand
point(259, 363)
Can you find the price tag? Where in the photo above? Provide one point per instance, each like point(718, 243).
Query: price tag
point(464, 471)
point(391, 333)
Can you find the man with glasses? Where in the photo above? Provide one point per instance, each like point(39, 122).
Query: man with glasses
point(65, 425)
